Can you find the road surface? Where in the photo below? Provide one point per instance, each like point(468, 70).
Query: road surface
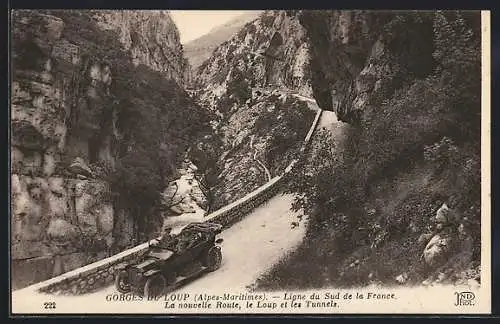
point(250, 247)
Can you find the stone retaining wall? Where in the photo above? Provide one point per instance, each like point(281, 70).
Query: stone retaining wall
point(233, 212)
point(90, 277)
point(96, 275)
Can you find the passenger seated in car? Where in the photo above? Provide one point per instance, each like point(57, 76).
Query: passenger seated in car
point(183, 243)
point(166, 240)
point(187, 240)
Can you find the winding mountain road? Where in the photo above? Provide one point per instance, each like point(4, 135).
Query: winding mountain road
point(250, 247)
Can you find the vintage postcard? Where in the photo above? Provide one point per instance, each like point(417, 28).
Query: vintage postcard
point(250, 162)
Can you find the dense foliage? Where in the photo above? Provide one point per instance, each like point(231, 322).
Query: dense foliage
point(415, 147)
point(205, 155)
point(238, 86)
point(288, 122)
point(157, 120)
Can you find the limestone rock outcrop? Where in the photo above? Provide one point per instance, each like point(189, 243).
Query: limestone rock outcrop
point(269, 51)
point(151, 37)
point(250, 83)
point(64, 116)
point(200, 49)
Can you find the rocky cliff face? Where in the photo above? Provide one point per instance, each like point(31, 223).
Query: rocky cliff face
point(408, 83)
point(359, 57)
point(67, 107)
point(58, 100)
point(345, 48)
point(200, 49)
point(151, 37)
point(249, 82)
point(270, 51)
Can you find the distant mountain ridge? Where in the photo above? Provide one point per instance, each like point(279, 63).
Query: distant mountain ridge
point(200, 49)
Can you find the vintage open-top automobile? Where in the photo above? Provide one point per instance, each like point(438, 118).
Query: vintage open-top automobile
point(171, 260)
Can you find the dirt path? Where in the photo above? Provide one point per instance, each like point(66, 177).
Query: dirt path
point(250, 248)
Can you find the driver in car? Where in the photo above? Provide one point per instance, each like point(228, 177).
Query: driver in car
point(165, 239)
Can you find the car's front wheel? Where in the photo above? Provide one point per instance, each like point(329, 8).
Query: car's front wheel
point(155, 286)
point(213, 258)
point(121, 282)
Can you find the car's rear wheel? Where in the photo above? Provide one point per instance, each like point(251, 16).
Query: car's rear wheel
point(170, 282)
point(121, 282)
point(213, 258)
point(155, 286)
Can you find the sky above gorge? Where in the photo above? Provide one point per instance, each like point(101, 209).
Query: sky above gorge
point(195, 23)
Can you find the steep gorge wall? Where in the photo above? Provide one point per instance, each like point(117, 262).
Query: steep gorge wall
point(247, 83)
point(65, 135)
point(200, 49)
point(151, 37)
point(360, 57)
point(409, 84)
point(343, 42)
point(59, 100)
point(269, 51)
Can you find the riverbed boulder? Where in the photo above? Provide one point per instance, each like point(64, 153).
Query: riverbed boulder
point(438, 249)
point(184, 195)
point(445, 215)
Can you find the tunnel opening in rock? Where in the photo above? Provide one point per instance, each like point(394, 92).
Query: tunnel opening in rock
point(277, 39)
point(272, 54)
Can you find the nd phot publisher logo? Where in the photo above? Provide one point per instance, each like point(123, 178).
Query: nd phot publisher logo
point(464, 298)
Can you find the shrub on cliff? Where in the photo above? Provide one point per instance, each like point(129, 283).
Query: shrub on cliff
point(287, 124)
point(159, 122)
point(205, 156)
point(239, 86)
